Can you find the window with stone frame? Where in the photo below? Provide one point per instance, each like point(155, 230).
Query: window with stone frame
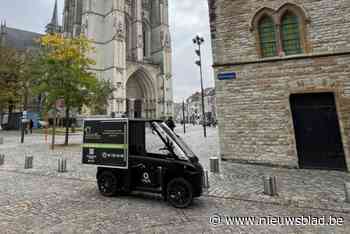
point(282, 31)
point(267, 36)
point(290, 34)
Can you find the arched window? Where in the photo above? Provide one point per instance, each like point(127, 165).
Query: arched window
point(267, 36)
point(128, 36)
point(146, 34)
point(290, 32)
point(281, 32)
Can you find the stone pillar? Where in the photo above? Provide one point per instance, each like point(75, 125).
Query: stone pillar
point(116, 52)
point(137, 30)
point(161, 53)
point(131, 113)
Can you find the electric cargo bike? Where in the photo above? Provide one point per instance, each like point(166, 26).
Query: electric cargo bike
point(122, 151)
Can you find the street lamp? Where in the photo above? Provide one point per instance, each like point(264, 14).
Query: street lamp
point(199, 41)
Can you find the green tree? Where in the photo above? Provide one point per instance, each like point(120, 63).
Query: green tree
point(102, 94)
point(15, 78)
point(63, 73)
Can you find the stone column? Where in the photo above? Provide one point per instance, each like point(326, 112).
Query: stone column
point(137, 31)
point(131, 113)
point(118, 52)
point(161, 53)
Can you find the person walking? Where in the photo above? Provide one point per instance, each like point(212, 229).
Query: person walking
point(170, 123)
point(31, 125)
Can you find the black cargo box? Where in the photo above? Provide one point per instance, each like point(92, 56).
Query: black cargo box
point(105, 142)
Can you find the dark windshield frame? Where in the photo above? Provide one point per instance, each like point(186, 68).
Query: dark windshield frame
point(180, 143)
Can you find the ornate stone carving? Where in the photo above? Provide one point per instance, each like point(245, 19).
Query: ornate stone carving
point(119, 30)
point(140, 41)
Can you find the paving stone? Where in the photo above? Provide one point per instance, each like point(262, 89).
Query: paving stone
point(41, 200)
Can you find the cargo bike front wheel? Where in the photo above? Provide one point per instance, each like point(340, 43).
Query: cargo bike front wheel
point(179, 193)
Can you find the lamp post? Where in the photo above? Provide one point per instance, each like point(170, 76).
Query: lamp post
point(183, 116)
point(199, 41)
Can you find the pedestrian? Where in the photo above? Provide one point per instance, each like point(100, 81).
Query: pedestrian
point(170, 123)
point(31, 125)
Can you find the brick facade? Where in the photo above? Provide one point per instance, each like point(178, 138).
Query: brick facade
point(254, 111)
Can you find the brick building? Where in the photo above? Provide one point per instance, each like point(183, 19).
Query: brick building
point(283, 81)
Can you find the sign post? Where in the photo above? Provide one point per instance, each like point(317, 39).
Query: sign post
point(24, 122)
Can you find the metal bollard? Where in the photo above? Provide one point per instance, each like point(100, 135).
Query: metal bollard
point(206, 180)
point(214, 165)
point(347, 192)
point(62, 165)
point(2, 159)
point(270, 185)
point(1, 140)
point(28, 164)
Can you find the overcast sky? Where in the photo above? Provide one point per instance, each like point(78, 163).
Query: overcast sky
point(187, 18)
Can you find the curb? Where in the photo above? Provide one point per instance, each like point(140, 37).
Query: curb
point(333, 206)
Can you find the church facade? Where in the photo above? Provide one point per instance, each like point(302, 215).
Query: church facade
point(133, 51)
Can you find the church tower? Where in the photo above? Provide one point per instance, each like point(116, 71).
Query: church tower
point(133, 51)
point(53, 26)
point(72, 17)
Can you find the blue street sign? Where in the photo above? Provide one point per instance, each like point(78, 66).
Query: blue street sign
point(227, 76)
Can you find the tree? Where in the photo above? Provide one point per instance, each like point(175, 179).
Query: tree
point(102, 94)
point(11, 62)
point(64, 73)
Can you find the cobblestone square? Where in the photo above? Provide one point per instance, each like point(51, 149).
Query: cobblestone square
point(41, 200)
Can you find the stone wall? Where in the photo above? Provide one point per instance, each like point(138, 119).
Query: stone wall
point(254, 111)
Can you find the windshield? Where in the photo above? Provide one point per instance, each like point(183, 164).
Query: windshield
point(175, 141)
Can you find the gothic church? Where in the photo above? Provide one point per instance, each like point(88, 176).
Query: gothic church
point(133, 51)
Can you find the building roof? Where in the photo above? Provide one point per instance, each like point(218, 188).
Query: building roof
point(21, 39)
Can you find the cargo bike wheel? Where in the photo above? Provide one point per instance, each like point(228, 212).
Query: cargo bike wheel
point(179, 193)
point(107, 184)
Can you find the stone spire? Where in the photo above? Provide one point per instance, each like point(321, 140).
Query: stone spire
point(3, 32)
point(53, 26)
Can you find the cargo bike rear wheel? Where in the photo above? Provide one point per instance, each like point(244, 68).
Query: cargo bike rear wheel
point(107, 184)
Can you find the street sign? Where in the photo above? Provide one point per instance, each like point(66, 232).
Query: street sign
point(227, 76)
point(106, 143)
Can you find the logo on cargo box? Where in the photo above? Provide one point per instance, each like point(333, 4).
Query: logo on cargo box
point(145, 178)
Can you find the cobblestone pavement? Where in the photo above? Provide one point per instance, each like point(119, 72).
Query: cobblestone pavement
point(41, 200)
point(41, 204)
point(302, 188)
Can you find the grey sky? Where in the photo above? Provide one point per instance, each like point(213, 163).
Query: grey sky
point(187, 18)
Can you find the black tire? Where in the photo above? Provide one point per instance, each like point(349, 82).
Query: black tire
point(107, 184)
point(179, 193)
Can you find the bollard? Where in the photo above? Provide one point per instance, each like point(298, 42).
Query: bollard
point(2, 159)
point(214, 165)
point(62, 165)
point(206, 180)
point(28, 164)
point(347, 192)
point(1, 140)
point(270, 185)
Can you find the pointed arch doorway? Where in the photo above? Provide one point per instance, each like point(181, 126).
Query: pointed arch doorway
point(140, 96)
